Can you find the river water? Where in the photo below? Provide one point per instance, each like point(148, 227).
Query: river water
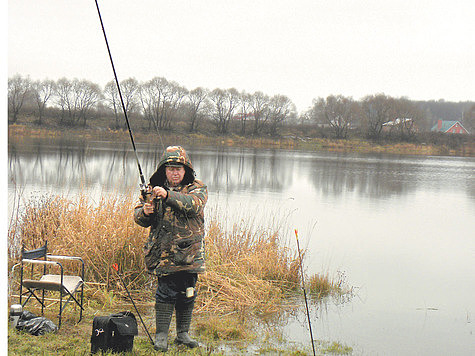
point(400, 229)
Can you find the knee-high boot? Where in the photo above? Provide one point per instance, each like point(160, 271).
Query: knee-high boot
point(163, 316)
point(184, 313)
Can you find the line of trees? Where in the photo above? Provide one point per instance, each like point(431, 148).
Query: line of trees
point(163, 105)
point(374, 113)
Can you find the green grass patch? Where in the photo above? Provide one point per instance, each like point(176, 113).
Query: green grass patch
point(335, 348)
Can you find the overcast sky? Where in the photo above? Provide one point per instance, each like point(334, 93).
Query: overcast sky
point(421, 49)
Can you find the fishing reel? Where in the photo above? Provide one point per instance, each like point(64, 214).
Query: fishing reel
point(146, 192)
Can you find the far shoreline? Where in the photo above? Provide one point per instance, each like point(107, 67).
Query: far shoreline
point(22, 133)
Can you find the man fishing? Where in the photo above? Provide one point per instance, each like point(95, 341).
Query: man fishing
point(174, 248)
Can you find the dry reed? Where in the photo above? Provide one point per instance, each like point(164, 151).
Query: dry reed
point(248, 270)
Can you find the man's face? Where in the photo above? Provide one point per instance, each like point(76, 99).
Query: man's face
point(175, 175)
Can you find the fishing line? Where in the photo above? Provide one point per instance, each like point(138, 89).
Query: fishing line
point(142, 179)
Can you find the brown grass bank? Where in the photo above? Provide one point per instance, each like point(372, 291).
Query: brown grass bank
point(249, 270)
point(251, 275)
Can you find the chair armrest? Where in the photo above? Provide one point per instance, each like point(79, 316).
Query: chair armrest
point(40, 262)
point(58, 257)
point(70, 258)
point(15, 266)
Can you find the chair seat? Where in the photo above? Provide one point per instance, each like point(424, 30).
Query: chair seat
point(53, 282)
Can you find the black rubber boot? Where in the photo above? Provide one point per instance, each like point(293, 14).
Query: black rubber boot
point(184, 312)
point(163, 317)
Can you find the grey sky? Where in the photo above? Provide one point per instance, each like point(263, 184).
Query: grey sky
point(303, 49)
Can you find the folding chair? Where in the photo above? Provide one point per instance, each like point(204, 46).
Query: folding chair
point(66, 285)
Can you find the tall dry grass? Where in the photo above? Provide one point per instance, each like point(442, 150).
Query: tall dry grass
point(248, 268)
point(102, 234)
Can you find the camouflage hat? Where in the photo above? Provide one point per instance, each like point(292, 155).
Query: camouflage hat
point(173, 156)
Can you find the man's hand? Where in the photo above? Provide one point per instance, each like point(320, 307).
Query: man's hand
point(148, 209)
point(159, 192)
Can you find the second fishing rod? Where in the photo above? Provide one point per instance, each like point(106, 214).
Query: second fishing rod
point(304, 291)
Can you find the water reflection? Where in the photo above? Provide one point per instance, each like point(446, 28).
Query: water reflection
point(229, 170)
point(79, 165)
point(238, 170)
point(373, 178)
point(380, 176)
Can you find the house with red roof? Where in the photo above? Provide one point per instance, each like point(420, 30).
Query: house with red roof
point(449, 127)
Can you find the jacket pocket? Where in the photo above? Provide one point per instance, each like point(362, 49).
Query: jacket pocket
point(184, 251)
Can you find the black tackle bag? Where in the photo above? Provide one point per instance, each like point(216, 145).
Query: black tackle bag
point(114, 332)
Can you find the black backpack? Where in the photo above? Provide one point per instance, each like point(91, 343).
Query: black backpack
point(114, 332)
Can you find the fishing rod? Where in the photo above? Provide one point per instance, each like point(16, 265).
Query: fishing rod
point(143, 185)
point(304, 291)
point(115, 266)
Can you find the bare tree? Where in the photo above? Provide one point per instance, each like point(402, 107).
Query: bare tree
point(280, 109)
point(148, 99)
point(197, 100)
point(76, 98)
point(66, 100)
point(87, 95)
point(218, 97)
point(224, 105)
point(18, 91)
point(377, 109)
point(129, 89)
point(172, 103)
point(245, 107)
point(338, 112)
point(42, 92)
point(111, 95)
point(259, 103)
point(153, 96)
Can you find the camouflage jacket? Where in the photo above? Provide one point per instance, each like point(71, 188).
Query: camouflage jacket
point(175, 242)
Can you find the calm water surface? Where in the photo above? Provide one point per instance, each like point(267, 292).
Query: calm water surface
point(400, 229)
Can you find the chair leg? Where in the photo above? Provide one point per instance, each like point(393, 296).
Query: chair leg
point(60, 308)
point(81, 307)
point(32, 294)
point(42, 302)
point(71, 298)
point(63, 302)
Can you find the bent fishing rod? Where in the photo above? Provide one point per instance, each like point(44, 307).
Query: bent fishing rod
point(304, 291)
point(143, 185)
